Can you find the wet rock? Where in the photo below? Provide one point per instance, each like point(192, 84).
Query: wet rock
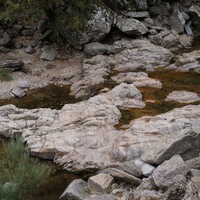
point(165, 174)
point(76, 191)
point(123, 176)
point(49, 53)
point(94, 48)
point(100, 184)
point(131, 26)
point(182, 97)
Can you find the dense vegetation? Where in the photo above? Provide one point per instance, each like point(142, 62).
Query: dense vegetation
point(20, 174)
point(62, 14)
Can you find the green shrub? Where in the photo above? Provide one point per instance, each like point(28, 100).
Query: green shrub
point(23, 174)
point(64, 15)
point(5, 75)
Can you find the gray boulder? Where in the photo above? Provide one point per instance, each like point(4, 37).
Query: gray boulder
point(97, 27)
point(49, 53)
point(7, 41)
point(193, 163)
point(147, 169)
point(140, 4)
point(177, 22)
point(28, 32)
point(147, 194)
point(100, 184)
point(18, 92)
point(167, 39)
point(186, 143)
point(94, 48)
point(29, 49)
point(123, 176)
point(4, 49)
point(168, 173)
point(130, 167)
point(76, 191)
point(131, 26)
point(194, 11)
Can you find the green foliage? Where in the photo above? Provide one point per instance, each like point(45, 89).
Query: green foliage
point(5, 75)
point(22, 173)
point(64, 15)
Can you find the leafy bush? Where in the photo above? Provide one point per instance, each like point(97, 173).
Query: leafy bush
point(5, 75)
point(20, 174)
point(63, 15)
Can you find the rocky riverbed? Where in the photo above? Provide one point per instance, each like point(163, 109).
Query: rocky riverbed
point(154, 156)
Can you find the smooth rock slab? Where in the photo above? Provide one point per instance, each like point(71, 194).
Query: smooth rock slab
point(82, 137)
point(139, 79)
point(182, 96)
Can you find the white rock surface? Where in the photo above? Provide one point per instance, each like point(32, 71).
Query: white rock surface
point(182, 96)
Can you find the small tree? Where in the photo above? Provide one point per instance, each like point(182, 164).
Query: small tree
point(20, 174)
point(63, 15)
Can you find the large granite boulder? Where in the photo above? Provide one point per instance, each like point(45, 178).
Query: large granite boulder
point(97, 27)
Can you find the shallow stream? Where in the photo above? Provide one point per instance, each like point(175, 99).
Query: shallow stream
point(54, 96)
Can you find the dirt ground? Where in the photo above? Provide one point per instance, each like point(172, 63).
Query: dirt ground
point(65, 70)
